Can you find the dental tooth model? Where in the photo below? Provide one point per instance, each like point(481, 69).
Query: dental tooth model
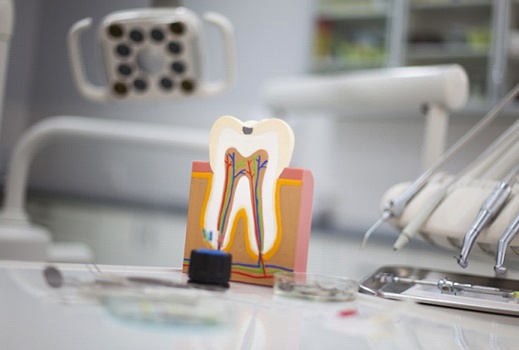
point(247, 200)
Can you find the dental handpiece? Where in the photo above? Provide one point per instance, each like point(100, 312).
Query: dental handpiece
point(490, 208)
point(414, 226)
point(447, 286)
point(496, 155)
point(505, 240)
point(394, 208)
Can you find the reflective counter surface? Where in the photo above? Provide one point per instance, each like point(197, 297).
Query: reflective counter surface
point(34, 315)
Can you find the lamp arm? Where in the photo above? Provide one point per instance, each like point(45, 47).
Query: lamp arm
point(385, 89)
point(227, 30)
point(49, 129)
point(435, 134)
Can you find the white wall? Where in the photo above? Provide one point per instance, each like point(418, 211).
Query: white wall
point(20, 76)
point(273, 39)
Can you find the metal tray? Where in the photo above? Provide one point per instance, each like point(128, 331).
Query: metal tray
point(431, 294)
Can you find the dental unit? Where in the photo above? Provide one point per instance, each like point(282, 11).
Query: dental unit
point(395, 207)
point(498, 155)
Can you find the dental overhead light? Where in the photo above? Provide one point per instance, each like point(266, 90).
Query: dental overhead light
point(395, 205)
point(154, 53)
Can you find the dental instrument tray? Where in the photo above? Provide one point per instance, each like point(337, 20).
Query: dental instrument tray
point(462, 291)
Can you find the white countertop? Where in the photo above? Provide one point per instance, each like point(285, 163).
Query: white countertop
point(32, 315)
point(36, 316)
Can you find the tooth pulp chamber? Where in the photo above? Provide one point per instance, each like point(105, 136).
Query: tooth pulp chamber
point(242, 172)
point(246, 167)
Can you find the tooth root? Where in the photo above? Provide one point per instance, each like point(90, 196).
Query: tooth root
point(246, 160)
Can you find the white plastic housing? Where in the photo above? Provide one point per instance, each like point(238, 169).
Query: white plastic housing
point(24, 242)
point(385, 88)
point(441, 89)
point(451, 220)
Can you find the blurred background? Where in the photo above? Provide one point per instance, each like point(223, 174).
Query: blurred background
point(128, 203)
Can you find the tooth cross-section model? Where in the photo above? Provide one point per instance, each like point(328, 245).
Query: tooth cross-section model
point(247, 201)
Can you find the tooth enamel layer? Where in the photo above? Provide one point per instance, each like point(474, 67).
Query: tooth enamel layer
point(246, 160)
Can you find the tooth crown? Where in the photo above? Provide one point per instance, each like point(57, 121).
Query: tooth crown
point(233, 129)
point(248, 207)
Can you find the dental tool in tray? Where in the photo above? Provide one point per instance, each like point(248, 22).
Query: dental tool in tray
point(446, 286)
point(395, 207)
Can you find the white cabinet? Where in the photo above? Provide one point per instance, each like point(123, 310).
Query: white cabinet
point(481, 35)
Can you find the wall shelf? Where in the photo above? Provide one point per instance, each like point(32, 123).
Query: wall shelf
point(352, 10)
point(443, 52)
point(476, 34)
point(449, 5)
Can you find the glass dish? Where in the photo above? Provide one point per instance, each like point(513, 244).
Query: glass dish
point(314, 286)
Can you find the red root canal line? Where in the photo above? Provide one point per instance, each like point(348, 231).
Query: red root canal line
point(253, 168)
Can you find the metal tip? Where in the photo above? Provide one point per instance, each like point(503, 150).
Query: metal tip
point(463, 262)
point(368, 234)
point(364, 242)
point(401, 241)
point(500, 270)
point(385, 216)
